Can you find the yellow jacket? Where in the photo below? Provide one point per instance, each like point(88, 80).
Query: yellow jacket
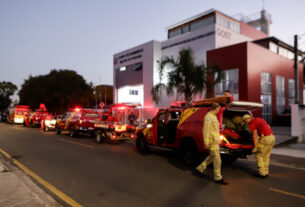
point(211, 133)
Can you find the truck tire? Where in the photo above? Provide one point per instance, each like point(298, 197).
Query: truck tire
point(72, 132)
point(57, 130)
point(141, 143)
point(189, 152)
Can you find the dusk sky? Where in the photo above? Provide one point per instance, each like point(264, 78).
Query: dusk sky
point(39, 35)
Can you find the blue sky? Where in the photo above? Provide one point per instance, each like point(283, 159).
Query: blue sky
point(39, 35)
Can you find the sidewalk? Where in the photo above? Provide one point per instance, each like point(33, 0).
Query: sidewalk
point(291, 150)
point(17, 189)
point(286, 145)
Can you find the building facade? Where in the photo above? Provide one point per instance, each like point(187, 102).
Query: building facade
point(256, 71)
point(136, 70)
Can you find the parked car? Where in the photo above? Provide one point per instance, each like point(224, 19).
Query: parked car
point(78, 121)
point(180, 128)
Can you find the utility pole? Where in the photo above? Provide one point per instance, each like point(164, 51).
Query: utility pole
point(296, 70)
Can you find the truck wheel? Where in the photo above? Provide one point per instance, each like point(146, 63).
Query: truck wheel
point(72, 132)
point(57, 131)
point(98, 138)
point(189, 152)
point(141, 144)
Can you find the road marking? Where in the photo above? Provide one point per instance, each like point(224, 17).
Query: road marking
point(43, 182)
point(72, 142)
point(8, 156)
point(287, 193)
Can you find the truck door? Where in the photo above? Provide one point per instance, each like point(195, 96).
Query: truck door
point(170, 129)
point(161, 128)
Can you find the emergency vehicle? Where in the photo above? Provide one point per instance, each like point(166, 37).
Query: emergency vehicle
point(180, 128)
point(78, 120)
point(35, 119)
point(48, 122)
point(110, 128)
point(17, 113)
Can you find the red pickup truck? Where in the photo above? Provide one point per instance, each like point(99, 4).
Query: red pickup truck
point(77, 121)
point(180, 128)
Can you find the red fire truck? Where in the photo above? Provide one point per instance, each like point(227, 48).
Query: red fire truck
point(180, 128)
point(36, 117)
point(78, 120)
point(17, 113)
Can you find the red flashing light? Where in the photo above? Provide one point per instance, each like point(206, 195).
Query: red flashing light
point(132, 136)
point(122, 107)
point(77, 109)
point(113, 136)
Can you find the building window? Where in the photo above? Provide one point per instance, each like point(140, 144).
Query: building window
point(174, 33)
point(123, 68)
point(283, 52)
point(202, 23)
point(280, 94)
point(178, 31)
point(266, 96)
point(229, 82)
point(291, 95)
point(273, 47)
point(133, 92)
point(185, 29)
point(228, 23)
point(137, 66)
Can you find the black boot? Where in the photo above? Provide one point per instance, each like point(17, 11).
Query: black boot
point(222, 181)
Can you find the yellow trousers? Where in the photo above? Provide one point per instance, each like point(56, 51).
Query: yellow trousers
point(263, 153)
point(214, 157)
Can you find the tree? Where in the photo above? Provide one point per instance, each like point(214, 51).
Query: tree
point(7, 89)
point(104, 92)
point(184, 77)
point(58, 90)
point(212, 76)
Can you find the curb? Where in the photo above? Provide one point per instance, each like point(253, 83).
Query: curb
point(45, 185)
point(292, 140)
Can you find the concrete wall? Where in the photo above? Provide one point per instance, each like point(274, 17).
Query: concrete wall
point(225, 37)
point(298, 122)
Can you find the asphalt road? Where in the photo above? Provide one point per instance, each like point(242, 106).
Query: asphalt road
point(117, 175)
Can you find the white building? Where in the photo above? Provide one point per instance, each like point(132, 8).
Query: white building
point(136, 69)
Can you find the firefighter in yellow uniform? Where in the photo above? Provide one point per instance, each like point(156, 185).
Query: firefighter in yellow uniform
point(211, 137)
point(264, 140)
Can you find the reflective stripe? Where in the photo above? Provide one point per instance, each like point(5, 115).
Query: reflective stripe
point(217, 171)
point(266, 163)
point(204, 164)
point(260, 145)
point(261, 164)
point(214, 148)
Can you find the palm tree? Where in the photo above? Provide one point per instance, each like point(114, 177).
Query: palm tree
point(212, 76)
point(184, 77)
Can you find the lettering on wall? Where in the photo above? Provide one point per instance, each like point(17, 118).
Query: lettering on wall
point(224, 34)
point(128, 56)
